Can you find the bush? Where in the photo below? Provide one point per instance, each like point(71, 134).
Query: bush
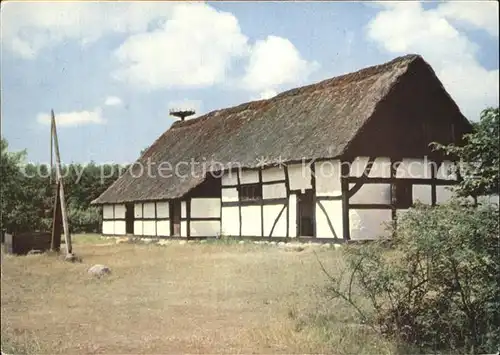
point(435, 284)
point(84, 220)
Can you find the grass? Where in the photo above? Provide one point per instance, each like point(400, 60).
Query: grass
point(192, 298)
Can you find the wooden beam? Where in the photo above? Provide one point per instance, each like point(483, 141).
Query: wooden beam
point(394, 167)
point(55, 244)
point(67, 236)
point(344, 186)
point(433, 185)
point(313, 185)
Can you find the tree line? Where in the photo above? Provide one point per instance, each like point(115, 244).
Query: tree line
point(28, 192)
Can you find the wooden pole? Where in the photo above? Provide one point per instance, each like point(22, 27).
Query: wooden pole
point(67, 236)
point(56, 222)
point(51, 152)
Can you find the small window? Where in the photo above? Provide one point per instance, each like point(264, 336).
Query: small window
point(250, 192)
point(404, 194)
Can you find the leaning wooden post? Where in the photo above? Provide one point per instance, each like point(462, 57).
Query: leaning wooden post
point(67, 236)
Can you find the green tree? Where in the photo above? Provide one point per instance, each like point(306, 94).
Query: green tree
point(20, 196)
point(479, 156)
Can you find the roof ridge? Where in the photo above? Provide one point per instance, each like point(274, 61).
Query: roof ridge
point(346, 78)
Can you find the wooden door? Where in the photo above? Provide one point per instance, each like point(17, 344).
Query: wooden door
point(129, 218)
point(305, 214)
point(175, 217)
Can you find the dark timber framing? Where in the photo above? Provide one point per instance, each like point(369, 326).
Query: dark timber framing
point(238, 203)
point(344, 187)
point(287, 187)
point(313, 186)
point(434, 182)
point(262, 206)
point(350, 185)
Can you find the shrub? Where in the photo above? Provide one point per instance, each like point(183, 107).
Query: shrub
point(434, 285)
point(84, 220)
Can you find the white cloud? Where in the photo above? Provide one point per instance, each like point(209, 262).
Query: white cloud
point(113, 101)
point(194, 48)
point(75, 118)
point(483, 16)
point(186, 104)
point(407, 28)
point(29, 27)
point(273, 62)
point(167, 45)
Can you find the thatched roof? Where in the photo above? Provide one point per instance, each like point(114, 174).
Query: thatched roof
point(310, 122)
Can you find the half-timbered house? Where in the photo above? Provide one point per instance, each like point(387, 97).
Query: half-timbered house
point(329, 161)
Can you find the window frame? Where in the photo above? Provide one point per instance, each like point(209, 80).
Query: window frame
point(250, 192)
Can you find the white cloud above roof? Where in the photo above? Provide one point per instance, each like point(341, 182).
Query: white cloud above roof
point(409, 28)
point(74, 118)
point(273, 62)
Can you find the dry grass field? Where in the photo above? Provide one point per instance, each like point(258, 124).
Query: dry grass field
point(191, 298)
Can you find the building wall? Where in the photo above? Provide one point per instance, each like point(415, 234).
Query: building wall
point(274, 212)
point(328, 209)
point(204, 217)
point(113, 219)
point(266, 216)
point(152, 219)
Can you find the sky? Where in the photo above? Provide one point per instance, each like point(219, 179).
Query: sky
point(112, 70)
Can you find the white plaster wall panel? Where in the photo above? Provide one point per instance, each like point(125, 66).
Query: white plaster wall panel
point(358, 166)
point(183, 229)
point(183, 209)
point(369, 224)
point(107, 212)
point(300, 176)
point(138, 227)
point(149, 228)
point(162, 209)
point(249, 177)
point(138, 210)
point(414, 169)
point(204, 228)
point(229, 178)
point(273, 174)
point(443, 194)
point(372, 193)
point(292, 215)
point(230, 221)
point(381, 167)
point(149, 210)
point(333, 210)
point(271, 213)
point(205, 208)
point(229, 194)
point(120, 228)
point(108, 227)
point(422, 193)
point(119, 211)
point(250, 221)
point(327, 175)
point(445, 171)
point(163, 228)
point(274, 191)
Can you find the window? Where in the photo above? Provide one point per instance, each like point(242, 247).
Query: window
point(250, 192)
point(404, 194)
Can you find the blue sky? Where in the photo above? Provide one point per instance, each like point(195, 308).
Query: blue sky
point(111, 71)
